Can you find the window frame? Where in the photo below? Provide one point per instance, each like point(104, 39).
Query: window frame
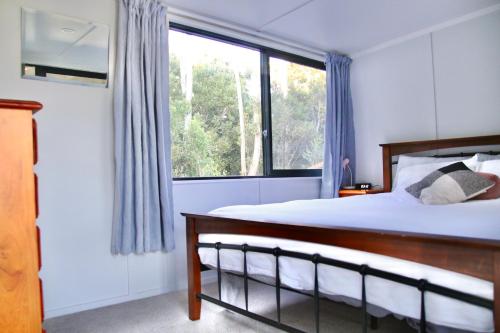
point(265, 87)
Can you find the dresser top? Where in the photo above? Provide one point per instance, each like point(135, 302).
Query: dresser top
point(20, 105)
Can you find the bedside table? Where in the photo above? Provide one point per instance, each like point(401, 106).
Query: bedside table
point(348, 193)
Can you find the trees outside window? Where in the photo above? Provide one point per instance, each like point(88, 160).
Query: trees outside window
point(298, 98)
point(217, 115)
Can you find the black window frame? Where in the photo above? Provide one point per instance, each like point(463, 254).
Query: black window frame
point(265, 54)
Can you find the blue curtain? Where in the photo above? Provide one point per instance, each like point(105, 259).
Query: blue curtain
point(339, 125)
point(143, 208)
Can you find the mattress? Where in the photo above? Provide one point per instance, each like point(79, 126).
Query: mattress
point(387, 211)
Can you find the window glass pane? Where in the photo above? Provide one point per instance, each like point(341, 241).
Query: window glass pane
point(298, 97)
point(215, 108)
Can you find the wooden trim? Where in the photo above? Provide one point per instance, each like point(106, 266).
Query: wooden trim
point(474, 257)
point(35, 141)
point(468, 256)
point(387, 167)
point(20, 105)
point(399, 148)
point(393, 149)
point(194, 269)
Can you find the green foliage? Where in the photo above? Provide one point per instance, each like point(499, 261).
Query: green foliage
point(298, 119)
point(206, 130)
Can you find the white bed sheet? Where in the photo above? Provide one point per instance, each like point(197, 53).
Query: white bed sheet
point(387, 211)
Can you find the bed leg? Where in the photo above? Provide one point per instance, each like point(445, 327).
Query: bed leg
point(194, 270)
point(496, 286)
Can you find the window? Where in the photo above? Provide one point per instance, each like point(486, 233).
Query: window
point(241, 110)
point(297, 113)
point(215, 108)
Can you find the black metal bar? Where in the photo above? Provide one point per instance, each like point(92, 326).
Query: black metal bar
point(363, 269)
point(267, 144)
point(316, 292)
point(461, 296)
point(374, 322)
point(252, 315)
point(422, 285)
point(273, 285)
point(245, 274)
point(423, 322)
point(277, 253)
point(219, 275)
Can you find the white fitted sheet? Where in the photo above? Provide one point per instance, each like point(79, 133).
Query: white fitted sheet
point(387, 211)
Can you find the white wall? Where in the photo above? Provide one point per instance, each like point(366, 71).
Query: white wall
point(394, 99)
point(76, 181)
point(440, 85)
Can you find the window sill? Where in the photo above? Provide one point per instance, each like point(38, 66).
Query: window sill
point(214, 180)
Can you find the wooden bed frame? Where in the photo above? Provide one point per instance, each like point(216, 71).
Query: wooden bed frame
point(475, 257)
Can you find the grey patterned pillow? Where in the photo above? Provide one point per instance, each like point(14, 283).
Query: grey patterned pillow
point(451, 184)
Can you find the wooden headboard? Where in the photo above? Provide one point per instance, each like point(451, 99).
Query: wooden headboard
point(393, 149)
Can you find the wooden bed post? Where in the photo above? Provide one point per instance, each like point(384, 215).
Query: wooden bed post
point(387, 168)
point(496, 288)
point(193, 270)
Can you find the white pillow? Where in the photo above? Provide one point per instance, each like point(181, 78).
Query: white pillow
point(405, 161)
point(492, 166)
point(413, 174)
point(487, 157)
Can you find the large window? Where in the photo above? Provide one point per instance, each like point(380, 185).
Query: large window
point(239, 109)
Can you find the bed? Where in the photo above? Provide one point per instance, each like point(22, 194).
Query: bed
point(448, 277)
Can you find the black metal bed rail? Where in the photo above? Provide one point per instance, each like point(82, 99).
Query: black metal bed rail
point(422, 285)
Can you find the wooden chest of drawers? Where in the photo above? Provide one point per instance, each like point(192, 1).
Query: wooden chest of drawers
point(21, 308)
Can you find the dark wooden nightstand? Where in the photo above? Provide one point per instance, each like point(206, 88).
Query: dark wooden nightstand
point(348, 193)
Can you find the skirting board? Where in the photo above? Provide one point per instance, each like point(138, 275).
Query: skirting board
point(208, 277)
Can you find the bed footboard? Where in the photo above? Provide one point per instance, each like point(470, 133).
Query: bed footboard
point(478, 258)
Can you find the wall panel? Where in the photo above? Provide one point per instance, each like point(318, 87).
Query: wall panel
point(467, 63)
point(393, 100)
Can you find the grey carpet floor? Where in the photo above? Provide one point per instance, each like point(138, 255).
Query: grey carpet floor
point(168, 313)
